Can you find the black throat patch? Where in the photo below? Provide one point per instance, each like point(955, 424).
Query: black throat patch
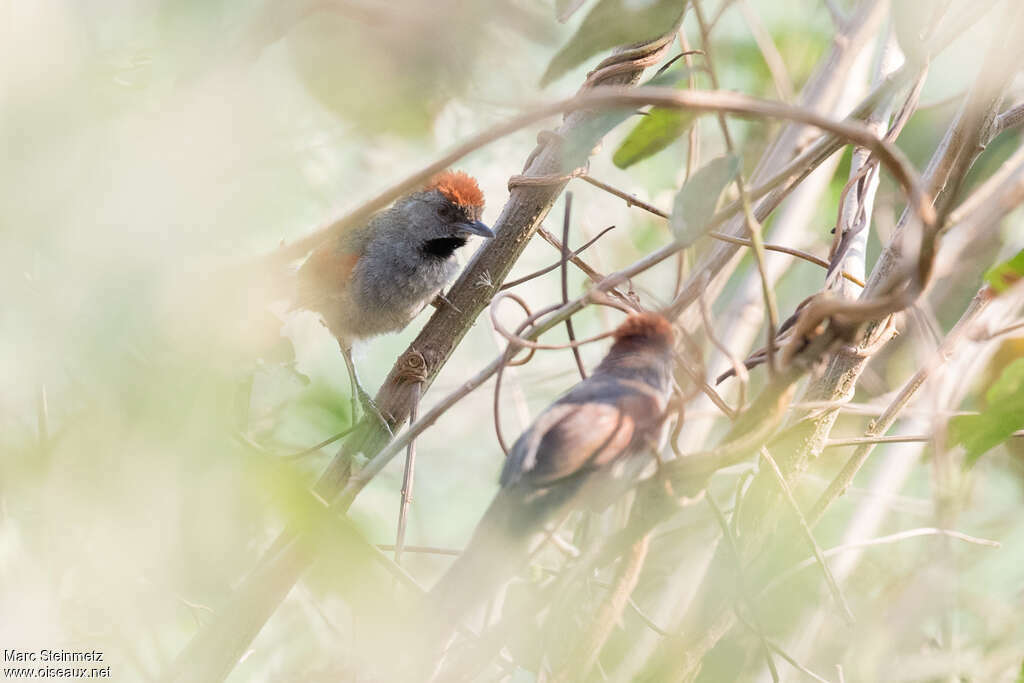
point(443, 247)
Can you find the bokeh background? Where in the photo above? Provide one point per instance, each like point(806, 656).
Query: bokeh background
point(151, 145)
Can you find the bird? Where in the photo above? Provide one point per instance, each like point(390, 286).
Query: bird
point(375, 278)
point(584, 451)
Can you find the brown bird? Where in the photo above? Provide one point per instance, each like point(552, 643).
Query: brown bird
point(585, 450)
point(375, 278)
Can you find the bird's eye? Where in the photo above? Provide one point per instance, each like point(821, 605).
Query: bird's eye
point(446, 211)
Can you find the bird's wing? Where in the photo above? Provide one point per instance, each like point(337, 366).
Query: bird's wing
point(581, 432)
point(325, 274)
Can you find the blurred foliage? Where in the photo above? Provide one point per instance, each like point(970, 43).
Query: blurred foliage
point(152, 146)
point(1005, 275)
point(343, 52)
point(1003, 415)
point(656, 131)
point(698, 198)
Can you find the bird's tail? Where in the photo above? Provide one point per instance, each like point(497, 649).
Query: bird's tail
point(499, 547)
point(515, 526)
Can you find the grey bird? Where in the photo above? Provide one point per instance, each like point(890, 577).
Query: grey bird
point(375, 278)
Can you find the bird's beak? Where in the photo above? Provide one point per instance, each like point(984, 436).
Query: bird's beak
point(475, 228)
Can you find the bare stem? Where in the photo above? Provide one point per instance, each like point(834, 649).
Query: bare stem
point(408, 477)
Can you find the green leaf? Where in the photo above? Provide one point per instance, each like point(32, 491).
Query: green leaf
point(1001, 418)
point(612, 23)
point(581, 141)
point(1002, 276)
point(659, 129)
point(584, 136)
point(696, 202)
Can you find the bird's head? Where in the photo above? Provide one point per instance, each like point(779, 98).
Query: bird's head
point(644, 331)
point(643, 348)
point(446, 213)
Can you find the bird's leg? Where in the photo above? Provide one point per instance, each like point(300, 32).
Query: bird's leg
point(359, 395)
point(353, 382)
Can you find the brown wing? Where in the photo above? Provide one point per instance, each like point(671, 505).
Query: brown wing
point(324, 275)
point(590, 435)
point(573, 436)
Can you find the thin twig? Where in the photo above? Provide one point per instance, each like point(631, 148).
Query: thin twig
point(422, 549)
point(631, 200)
point(547, 269)
point(753, 226)
point(505, 360)
point(522, 342)
point(837, 593)
point(692, 147)
point(565, 285)
point(739, 369)
point(742, 585)
point(1009, 329)
point(742, 482)
point(772, 58)
point(587, 269)
point(648, 622)
point(899, 438)
point(696, 374)
point(1010, 119)
point(314, 449)
point(408, 477)
point(881, 540)
point(726, 4)
point(777, 649)
point(693, 136)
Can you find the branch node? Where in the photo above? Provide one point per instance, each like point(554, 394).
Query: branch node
point(412, 367)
